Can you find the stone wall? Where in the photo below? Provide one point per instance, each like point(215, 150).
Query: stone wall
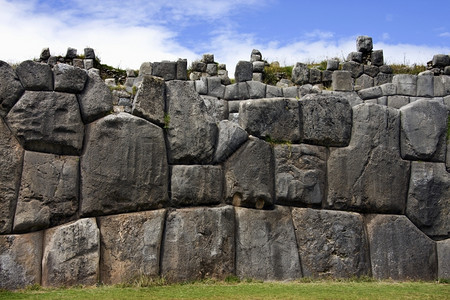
point(199, 179)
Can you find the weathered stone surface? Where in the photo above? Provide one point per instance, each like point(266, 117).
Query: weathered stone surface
point(165, 69)
point(11, 158)
point(300, 74)
point(71, 53)
point(257, 77)
point(406, 84)
point(371, 70)
point(89, 53)
point(249, 173)
point(10, 88)
point(275, 119)
point(440, 61)
point(149, 101)
point(273, 91)
point(237, 91)
point(47, 122)
point(199, 243)
point(364, 44)
point(315, 76)
point(382, 100)
point(300, 174)
point(216, 108)
point(398, 250)
point(71, 254)
point(352, 97)
point(192, 133)
point(363, 82)
point(369, 174)
point(332, 64)
point(382, 78)
point(331, 243)
point(355, 56)
point(258, 66)
point(256, 89)
point(291, 92)
point(130, 246)
point(231, 137)
point(196, 185)
point(342, 81)
point(265, 244)
point(326, 119)
point(20, 260)
point(35, 76)
point(377, 58)
point(124, 166)
point(423, 130)
point(355, 69)
point(243, 71)
point(211, 69)
point(425, 85)
point(397, 101)
point(443, 254)
point(48, 194)
point(96, 98)
point(69, 79)
point(441, 86)
point(388, 89)
point(182, 69)
point(215, 87)
point(428, 205)
point(201, 86)
point(370, 93)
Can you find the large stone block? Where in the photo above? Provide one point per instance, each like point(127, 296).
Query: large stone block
point(196, 185)
point(20, 260)
point(71, 254)
point(423, 130)
point(237, 91)
point(191, 133)
point(342, 81)
point(363, 82)
point(331, 243)
point(165, 69)
point(364, 44)
point(10, 88)
point(149, 102)
point(273, 91)
point(300, 174)
point(216, 108)
point(369, 174)
point(326, 119)
point(300, 74)
point(398, 250)
point(215, 87)
point(355, 69)
point(425, 85)
point(315, 76)
point(266, 246)
point(443, 253)
point(406, 84)
point(274, 119)
point(383, 78)
point(96, 99)
point(124, 166)
point(371, 70)
point(243, 71)
point(48, 194)
point(249, 175)
point(355, 56)
point(231, 137)
point(130, 246)
point(199, 243)
point(48, 122)
point(256, 89)
point(428, 205)
point(35, 76)
point(397, 101)
point(182, 69)
point(370, 93)
point(441, 86)
point(69, 79)
point(440, 61)
point(332, 64)
point(377, 58)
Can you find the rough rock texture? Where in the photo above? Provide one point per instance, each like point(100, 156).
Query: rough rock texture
point(364, 44)
point(273, 91)
point(355, 69)
point(10, 88)
point(331, 243)
point(256, 89)
point(397, 101)
point(69, 79)
point(11, 157)
point(244, 71)
point(48, 194)
point(363, 82)
point(237, 91)
point(196, 185)
point(428, 205)
point(300, 74)
point(124, 166)
point(326, 120)
point(300, 174)
point(265, 244)
point(400, 251)
point(425, 85)
point(165, 69)
point(443, 253)
point(371, 93)
point(423, 130)
point(406, 84)
point(377, 58)
point(20, 260)
point(216, 108)
point(35, 76)
point(231, 137)
point(71, 254)
point(342, 81)
point(192, 134)
point(275, 119)
point(130, 246)
point(48, 122)
point(149, 102)
point(215, 87)
point(199, 243)
point(249, 173)
point(369, 174)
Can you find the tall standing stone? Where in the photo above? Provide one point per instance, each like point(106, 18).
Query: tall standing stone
point(10, 88)
point(149, 102)
point(300, 74)
point(69, 79)
point(443, 253)
point(231, 137)
point(244, 71)
point(35, 76)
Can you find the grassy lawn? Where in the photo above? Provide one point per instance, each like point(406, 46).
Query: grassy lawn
point(318, 289)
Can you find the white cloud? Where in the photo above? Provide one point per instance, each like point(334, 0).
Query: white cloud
point(445, 34)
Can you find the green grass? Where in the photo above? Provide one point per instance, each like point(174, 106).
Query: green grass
point(406, 69)
point(236, 289)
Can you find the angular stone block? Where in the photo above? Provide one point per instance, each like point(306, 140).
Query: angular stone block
point(10, 88)
point(215, 87)
point(397, 101)
point(441, 86)
point(124, 166)
point(331, 243)
point(355, 56)
point(399, 251)
point(371, 70)
point(275, 119)
point(332, 64)
point(428, 205)
point(237, 91)
point(425, 85)
point(258, 66)
point(243, 71)
point(35, 76)
point(71, 254)
point(342, 81)
point(256, 89)
point(377, 58)
point(300, 74)
point(315, 76)
point(383, 78)
point(20, 260)
point(273, 91)
point(249, 173)
point(69, 79)
point(89, 53)
point(443, 253)
point(216, 108)
point(406, 84)
point(196, 185)
point(369, 174)
point(265, 245)
point(48, 122)
point(300, 174)
point(370, 93)
point(423, 130)
point(388, 89)
point(130, 246)
point(363, 82)
point(326, 120)
point(165, 69)
point(48, 194)
point(364, 44)
point(231, 137)
point(149, 102)
point(199, 243)
point(201, 86)
point(291, 92)
point(440, 61)
point(182, 69)
point(355, 69)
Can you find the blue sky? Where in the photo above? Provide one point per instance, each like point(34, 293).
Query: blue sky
point(128, 32)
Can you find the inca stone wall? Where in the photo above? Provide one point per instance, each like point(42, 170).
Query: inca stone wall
point(188, 179)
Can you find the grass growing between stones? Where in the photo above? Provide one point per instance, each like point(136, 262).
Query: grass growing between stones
point(247, 289)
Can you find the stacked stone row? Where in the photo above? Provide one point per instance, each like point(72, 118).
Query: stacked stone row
point(207, 67)
point(71, 58)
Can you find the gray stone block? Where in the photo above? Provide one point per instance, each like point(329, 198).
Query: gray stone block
point(10, 90)
point(237, 91)
point(273, 91)
point(243, 71)
point(382, 100)
point(355, 69)
point(182, 69)
point(165, 69)
point(300, 74)
point(211, 69)
point(45, 54)
point(332, 64)
point(257, 77)
point(383, 78)
point(233, 106)
point(198, 66)
point(371, 70)
point(201, 86)
point(208, 58)
point(216, 108)
point(342, 81)
point(35, 76)
point(443, 253)
point(71, 53)
point(440, 61)
point(425, 85)
point(388, 89)
point(441, 86)
point(291, 92)
point(69, 79)
point(145, 69)
point(363, 82)
point(256, 89)
point(397, 101)
point(149, 102)
point(315, 76)
point(377, 58)
point(386, 69)
point(266, 248)
point(406, 84)
point(256, 55)
point(370, 93)
point(447, 70)
point(355, 56)
point(258, 66)
point(364, 44)
point(89, 53)
point(231, 137)
point(399, 251)
point(215, 87)
point(88, 64)
point(327, 76)
point(78, 63)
